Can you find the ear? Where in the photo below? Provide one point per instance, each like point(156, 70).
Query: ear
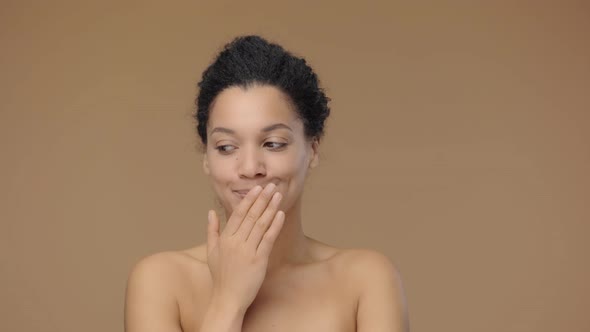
point(206, 164)
point(315, 153)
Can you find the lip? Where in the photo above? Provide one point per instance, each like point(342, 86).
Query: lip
point(243, 192)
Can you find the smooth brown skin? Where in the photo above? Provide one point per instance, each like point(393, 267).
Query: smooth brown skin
point(261, 272)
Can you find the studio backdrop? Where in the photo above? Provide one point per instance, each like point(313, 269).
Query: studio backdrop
point(458, 145)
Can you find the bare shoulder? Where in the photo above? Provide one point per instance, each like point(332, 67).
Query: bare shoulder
point(354, 260)
point(366, 267)
point(377, 281)
point(165, 271)
point(360, 266)
point(165, 260)
point(366, 260)
point(154, 286)
point(360, 261)
point(165, 264)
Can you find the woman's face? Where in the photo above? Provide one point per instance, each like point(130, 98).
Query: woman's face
point(254, 137)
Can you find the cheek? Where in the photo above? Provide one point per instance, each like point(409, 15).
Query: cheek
point(220, 172)
point(293, 172)
point(289, 167)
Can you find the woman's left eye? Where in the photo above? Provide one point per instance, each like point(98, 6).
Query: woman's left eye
point(275, 145)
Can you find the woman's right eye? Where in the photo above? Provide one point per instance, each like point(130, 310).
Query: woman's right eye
point(225, 149)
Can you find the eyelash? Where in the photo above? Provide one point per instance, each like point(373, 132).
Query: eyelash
point(222, 151)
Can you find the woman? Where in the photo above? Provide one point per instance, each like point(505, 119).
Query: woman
point(260, 116)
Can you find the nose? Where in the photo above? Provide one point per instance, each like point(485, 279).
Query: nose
point(251, 163)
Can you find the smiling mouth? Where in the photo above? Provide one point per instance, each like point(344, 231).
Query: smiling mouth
point(241, 193)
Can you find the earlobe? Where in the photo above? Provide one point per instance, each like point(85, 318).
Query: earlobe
point(315, 158)
point(205, 164)
point(314, 161)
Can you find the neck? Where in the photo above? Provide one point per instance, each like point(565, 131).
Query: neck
point(291, 246)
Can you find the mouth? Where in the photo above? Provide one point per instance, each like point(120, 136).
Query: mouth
point(240, 193)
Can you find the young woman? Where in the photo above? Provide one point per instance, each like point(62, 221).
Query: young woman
point(261, 114)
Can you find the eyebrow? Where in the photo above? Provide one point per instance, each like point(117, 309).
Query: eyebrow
point(264, 130)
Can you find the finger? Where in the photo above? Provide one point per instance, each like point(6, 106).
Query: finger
point(271, 235)
point(256, 211)
point(262, 224)
point(212, 231)
point(234, 221)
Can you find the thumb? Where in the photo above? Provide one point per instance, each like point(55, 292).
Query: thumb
point(212, 231)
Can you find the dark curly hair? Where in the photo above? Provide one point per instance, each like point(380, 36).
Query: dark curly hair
point(251, 60)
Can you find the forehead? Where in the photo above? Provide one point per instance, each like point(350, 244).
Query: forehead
point(252, 108)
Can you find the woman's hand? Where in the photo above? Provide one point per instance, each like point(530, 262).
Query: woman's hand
point(238, 257)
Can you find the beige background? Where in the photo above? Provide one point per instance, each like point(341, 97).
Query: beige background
point(459, 145)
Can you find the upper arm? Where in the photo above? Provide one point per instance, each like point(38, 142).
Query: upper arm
point(150, 304)
point(382, 304)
